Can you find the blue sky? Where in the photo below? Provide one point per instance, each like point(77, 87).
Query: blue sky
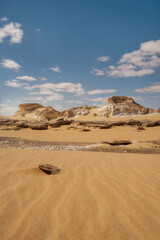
point(65, 53)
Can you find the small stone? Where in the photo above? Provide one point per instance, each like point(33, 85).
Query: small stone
point(85, 130)
point(49, 169)
point(140, 128)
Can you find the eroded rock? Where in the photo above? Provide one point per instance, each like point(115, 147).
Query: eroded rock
point(123, 106)
point(59, 122)
point(38, 126)
point(49, 169)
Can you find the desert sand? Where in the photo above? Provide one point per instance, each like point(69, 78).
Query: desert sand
point(97, 195)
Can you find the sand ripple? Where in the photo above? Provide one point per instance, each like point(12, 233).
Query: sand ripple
point(100, 196)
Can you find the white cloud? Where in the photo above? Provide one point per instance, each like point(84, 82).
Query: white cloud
point(79, 102)
point(97, 72)
point(38, 30)
point(138, 63)
point(70, 101)
point(127, 70)
point(8, 63)
point(27, 78)
point(13, 30)
point(103, 59)
point(155, 88)
point(41, 92)
point(7, 111)
point(54, 97)
point(101, 91)
point(44, 100)
point(14, 83)
point(137, 98)
point(59, 107)
point(96, 100)
point(56, 69)
point(59, 87)
point(4, 19)
point(43, 78)
point(35, 99)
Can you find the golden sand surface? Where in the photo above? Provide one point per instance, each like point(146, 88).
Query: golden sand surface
point(104, 196)
point(62, 134)
point(97, 195)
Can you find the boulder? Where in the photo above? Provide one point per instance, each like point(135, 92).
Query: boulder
point(38, 126)
point(22, 124)
point(59, 122)
point(49, 169)
point(152, 124)
point(133, 122)
point(47, 113)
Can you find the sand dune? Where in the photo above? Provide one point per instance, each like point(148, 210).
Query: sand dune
point(96, 196)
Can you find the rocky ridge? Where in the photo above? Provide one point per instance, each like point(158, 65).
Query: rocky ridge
point(39, 112)
point(116, 106)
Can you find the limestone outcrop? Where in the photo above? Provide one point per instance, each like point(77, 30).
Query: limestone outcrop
point(76, 111)
point(123, 106)
point(37, 111)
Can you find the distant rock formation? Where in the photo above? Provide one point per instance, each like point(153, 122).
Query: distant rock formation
point(76, 111)
point(116, 106)
point(39, 112)
point(35, 110)
point(123, 106)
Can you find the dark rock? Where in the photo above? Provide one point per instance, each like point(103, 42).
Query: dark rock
point(85, 130)
point(59, 122)
point(106, 126)
point(22, 124)
point(49, 169)
point(140, 128)
point(133, 122)
point(117, 142)
point(117, 123)
point(152, 124)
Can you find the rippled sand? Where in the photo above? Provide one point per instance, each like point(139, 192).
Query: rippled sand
point(96, 196)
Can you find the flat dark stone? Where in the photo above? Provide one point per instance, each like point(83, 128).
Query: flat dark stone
point(49, 169)
point(117, 142)
point(85, 130)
